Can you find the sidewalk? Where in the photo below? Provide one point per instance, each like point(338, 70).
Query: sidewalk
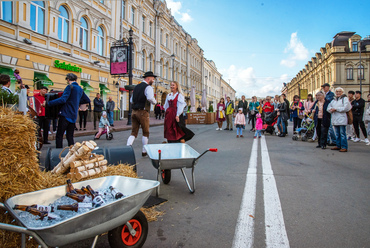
point(120, 125)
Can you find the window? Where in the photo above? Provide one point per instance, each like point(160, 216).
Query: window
point(63, 24)
point(143, 60)
point(175, 49)
point(83, 33)
point(37, 16)
point(166, 71)
point(166, 40)
point(6, 11)
point(354, 47)
point(161, 69)
point(360, 72)
point(161, 37)
point(133, 16)
point(143, 23)
point(350, 73)
point(150, 29)
point(123, 10)
point(100, 41)
point(151, 62)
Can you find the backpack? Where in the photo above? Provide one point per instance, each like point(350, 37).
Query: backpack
point(349, 115)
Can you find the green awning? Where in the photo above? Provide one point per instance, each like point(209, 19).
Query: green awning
point(9, 72)
point(42, 79)
point(86, 86)
point(104, 88)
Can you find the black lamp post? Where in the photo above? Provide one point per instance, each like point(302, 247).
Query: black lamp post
point(130, 43)
point(359, 47)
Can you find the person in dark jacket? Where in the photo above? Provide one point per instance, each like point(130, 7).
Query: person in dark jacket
point(110, 111)
point(73, 96)
point(329, 95)
point(358, 105)
point(244, 105)
point(98, 108)
point(322, 119)
point(287, 112)
point(282, 116)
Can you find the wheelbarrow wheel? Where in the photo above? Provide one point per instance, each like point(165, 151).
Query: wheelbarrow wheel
point(166, 176)
point(121, 237)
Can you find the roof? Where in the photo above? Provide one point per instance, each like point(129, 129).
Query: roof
point(341, 39)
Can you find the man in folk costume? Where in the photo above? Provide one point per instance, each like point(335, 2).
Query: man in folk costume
point(141, 98)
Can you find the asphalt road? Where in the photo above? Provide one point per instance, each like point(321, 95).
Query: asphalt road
point(297, 195)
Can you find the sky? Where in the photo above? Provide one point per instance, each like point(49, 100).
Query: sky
point(259, 45)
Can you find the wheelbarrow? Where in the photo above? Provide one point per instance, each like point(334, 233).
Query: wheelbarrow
point(167, 157)
point(125, 224)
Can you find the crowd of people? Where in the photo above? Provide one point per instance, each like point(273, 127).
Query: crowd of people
point(337, 117)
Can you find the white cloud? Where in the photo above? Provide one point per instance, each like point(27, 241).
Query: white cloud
point(176, 11)
point(297, 49)
point(245, 82)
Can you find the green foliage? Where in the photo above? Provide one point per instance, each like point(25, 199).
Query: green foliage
point(8, 98)
point(210, 109)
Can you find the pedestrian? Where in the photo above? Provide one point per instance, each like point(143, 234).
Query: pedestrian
point(350, 131)
point(259, 126)
point(358, 106)
point(82, 112)
point(338, 108)
point(239, 123)
point(253, 108)
point(296, 112)
point(142, 94)
point(5, 82)
point(329, 95)
point(158, 111)
point(322, 119)
point(267, 106)
point(175, 130)
point(220, 115)
point(229, 114)
point(367, 116)
point(244, 105)
point(73, 96)
point(110, 110)
point(98, 108)
point(282, 116)
point(308, 104)
point(162, 110)
point(42, 121)
point(288, 113)
point(103, 124)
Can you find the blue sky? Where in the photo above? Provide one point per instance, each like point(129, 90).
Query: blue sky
point(258, 45)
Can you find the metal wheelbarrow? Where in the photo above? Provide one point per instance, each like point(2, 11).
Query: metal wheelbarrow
point(125, 224)
point(167, 157)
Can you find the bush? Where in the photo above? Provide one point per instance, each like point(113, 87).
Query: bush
point(8, 98)
point(210, 109)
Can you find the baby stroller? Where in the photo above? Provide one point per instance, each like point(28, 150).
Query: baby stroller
point(269, 123)
point(107, 132)
point(306, 131)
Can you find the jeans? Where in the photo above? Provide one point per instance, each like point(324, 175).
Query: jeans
point(253, 119)
point(322, 133)
point(331, 135)
point(110, 117)
point(341, 136)
point(280, 121)
point(296, 123)
point(258, 132)
point(45, 125)
point(64, 125)
point(239, 131)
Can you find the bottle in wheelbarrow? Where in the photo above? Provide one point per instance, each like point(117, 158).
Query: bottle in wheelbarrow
point(35, 206)
point(78, 198)
point(75, 206)
point(42, 214)
point(96, 198)
point(116, 194)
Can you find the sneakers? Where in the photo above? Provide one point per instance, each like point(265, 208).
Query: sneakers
point(241, 136)
point(366, 140)
point(237, 136)
point(356, 140)
point(259, 137)
point(217, 128)
point(220, 129)
point(255, 137)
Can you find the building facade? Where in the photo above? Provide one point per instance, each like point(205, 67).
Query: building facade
point(45, 40)
point(338, 63)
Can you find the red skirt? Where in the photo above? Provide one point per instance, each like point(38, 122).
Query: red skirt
point(172, 130)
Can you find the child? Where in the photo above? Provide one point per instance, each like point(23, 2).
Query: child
point(102, 124)
point(258, 126)
point(239, 123)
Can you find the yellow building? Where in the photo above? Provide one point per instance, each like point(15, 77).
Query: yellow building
point(45, 40)
point(338, 63)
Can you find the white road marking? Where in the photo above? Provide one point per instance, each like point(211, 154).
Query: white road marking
point(276, 235)
point(244, 231)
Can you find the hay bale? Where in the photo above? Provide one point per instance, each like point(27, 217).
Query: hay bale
point(20, 172)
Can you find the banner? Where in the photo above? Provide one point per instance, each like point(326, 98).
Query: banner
point(118, 60)
point(303, 93)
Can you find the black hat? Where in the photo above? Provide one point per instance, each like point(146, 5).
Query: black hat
point(71, 77)
point(149, 74)
point(326, 84)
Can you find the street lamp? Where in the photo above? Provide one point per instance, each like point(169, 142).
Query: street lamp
point(173, 66)
point(130, 44)
point(359, 45)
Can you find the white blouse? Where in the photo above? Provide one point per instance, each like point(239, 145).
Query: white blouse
point(180, 102)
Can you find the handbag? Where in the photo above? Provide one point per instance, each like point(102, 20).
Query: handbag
point(349, 117)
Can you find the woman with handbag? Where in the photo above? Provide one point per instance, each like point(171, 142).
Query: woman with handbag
point(296, 112)
point(281, 111)
point(220, 116)
point(253, 108)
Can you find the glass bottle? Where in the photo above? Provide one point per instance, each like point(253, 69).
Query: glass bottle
point(116, 194)
point(96, 198)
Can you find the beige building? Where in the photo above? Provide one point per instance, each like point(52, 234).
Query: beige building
point(338, 63)
point(37, 37)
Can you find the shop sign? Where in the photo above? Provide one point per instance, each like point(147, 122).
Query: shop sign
point(67, 67)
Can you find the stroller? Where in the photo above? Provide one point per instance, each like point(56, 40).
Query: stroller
point(107, 132)
point(306, 131)
point(269, 123)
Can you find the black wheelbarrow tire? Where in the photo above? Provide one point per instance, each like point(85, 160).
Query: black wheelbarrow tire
point(120, 237)
point(166, 176)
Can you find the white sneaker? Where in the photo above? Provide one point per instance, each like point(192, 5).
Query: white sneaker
point(366, 140)
point(356, 140)
point(217, 128)
point(368, 144)
point(220, 129)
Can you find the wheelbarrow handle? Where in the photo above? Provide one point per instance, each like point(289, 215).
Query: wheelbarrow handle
point(213, 149)
point(209, 150)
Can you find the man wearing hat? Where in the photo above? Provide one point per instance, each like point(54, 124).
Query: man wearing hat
point(141, 98)
point(329, 95)
point(73, 96)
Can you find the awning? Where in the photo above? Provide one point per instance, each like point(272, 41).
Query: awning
point(9, 72)
point(42, 78)
point(104, 88)
point(86, 86)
